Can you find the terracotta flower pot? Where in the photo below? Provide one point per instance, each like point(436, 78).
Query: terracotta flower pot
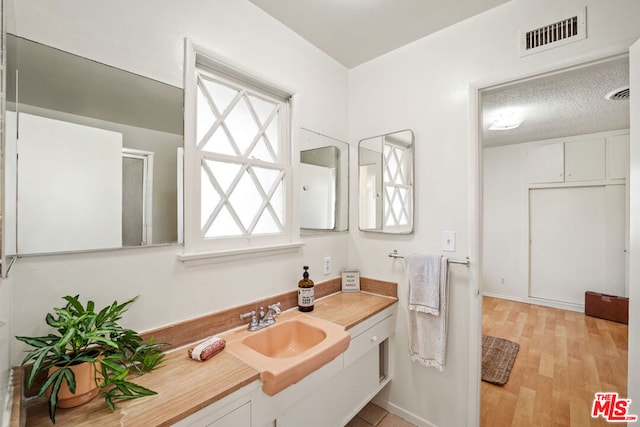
point(86, 387)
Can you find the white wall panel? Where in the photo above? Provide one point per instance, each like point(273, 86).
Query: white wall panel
point(426, 86)
point(57, 212)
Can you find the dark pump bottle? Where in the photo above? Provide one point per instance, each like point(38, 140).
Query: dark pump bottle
point(305, 292)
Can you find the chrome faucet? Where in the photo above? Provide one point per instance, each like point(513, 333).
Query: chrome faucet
point(262, 319)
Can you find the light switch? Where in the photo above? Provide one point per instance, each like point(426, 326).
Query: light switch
point(448, 241)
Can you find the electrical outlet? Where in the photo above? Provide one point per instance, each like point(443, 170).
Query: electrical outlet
point(326, 265)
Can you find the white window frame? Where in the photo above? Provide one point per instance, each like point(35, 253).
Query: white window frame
point(198, 248)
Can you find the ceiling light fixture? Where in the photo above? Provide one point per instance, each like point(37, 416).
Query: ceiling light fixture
point(506, 120)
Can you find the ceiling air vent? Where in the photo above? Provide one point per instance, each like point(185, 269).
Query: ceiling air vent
point(557, 34)
point(620, 94)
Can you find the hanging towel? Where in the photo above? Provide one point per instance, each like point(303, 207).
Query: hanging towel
point(428, 332)
point(424, 283)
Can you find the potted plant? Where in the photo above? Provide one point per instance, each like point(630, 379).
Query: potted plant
point(93, 340)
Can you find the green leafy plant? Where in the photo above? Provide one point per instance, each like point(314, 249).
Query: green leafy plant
point(84, 335)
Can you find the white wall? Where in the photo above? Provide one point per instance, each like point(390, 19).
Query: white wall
point(505, 231)
point(427, 86)
point(147, 37)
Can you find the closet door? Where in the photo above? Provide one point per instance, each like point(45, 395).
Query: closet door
point(576, 242)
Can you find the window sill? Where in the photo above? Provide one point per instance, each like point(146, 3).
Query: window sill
point(238, 254)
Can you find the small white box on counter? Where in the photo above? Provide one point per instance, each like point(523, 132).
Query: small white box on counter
point(350, 281)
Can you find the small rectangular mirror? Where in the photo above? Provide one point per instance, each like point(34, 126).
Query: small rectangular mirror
point(385, 183)
point(324, 182)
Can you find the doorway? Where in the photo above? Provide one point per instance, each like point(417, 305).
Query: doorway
point(137, 190)
point(531, 113)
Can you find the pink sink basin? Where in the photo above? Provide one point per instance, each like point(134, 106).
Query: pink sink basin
point(287, 339)
point(284, 353)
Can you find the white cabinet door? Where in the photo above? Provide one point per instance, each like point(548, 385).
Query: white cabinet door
point(545, 163)
point(233, 410)
point(239, 417)
point(576, 242)
point(369, 339)
point(617, 156)
point(333, 403)
point(584, 160)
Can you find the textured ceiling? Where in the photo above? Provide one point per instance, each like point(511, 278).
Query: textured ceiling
point(356, 31)
point(559, 105)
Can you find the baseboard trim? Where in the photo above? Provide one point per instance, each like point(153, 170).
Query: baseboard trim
point(539, 301)
point(404, 414)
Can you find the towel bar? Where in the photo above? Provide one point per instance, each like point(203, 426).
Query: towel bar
point(465, 261)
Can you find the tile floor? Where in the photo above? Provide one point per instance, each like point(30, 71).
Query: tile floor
point(373, 415)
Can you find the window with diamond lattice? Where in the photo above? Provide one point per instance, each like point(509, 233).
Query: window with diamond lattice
point(397, 185)
point(241, 141)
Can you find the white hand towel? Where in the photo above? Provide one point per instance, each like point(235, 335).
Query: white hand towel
point(428, 332)
point(424, 282)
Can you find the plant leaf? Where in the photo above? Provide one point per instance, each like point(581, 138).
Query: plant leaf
point(53, 398)
point(73, 301)
point(38, 366)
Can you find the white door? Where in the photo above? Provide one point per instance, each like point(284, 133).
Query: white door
point(576, 242)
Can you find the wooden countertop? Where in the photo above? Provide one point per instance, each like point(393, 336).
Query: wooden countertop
point(350, 308)
point(185, 386)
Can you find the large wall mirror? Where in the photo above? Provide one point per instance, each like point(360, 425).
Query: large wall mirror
point(385, 183)
point(93, 155)
point(324, 180)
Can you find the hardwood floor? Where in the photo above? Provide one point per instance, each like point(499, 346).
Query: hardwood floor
point(565, 357)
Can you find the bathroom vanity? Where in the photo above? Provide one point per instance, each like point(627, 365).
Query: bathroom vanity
point(226, 391)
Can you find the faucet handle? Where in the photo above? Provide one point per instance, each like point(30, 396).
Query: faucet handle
point(248, 314)
point(275, 308)
point(272, 310)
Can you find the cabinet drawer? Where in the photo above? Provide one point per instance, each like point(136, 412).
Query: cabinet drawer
point(368, 339)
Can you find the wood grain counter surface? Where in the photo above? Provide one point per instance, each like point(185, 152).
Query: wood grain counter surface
point(185, 386)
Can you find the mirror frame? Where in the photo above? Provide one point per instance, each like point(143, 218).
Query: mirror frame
point(342, 197)
point(410, 177)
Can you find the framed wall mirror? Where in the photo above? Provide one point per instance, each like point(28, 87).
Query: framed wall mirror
point(324, 181)
point(385, 183)
point(93, 155)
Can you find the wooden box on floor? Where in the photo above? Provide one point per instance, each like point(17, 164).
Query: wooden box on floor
point(605, 306)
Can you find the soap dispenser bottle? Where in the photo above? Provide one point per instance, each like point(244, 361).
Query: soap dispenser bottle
point(305, 292)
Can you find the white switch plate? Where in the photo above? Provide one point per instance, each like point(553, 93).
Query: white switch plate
point(326, 265)
point(448, 241)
